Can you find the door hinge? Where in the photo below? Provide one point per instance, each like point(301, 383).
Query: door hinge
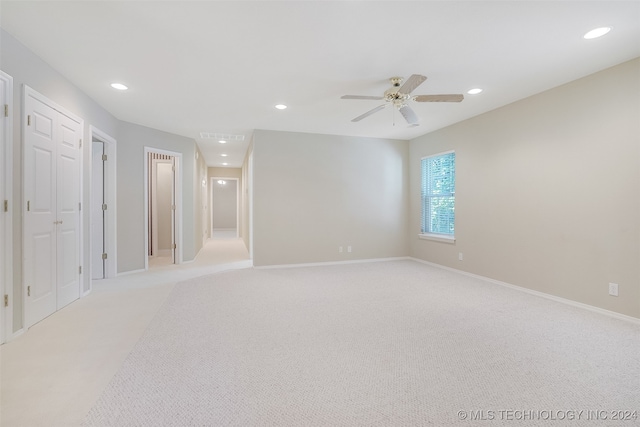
point(175, 246)
point(80, 270)
point(28, 205)
point(104, 256)
point(104, 157)
point(29, 120)
point(79, 206)
point(80, 142)
point(6, 110)
point(104, 206)
point(28, 291)
point(173, 207)
point(6, 300)
point(6, 206)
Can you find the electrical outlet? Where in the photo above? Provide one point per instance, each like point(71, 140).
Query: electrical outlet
point(460, 256)
point(340, 249)
point(613, 289)
point(349, 249)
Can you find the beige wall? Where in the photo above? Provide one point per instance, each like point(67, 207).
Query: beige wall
point(548, 191)
point(314, 193)
point(225, 204)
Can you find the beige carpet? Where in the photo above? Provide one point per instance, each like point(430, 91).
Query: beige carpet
point(393, 343)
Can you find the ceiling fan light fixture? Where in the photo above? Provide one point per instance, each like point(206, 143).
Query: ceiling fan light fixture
point(474, 91)
point(597, 32)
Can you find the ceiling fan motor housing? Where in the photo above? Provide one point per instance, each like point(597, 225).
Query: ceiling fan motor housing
point(396, 81)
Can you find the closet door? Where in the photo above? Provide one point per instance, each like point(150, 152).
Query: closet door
point(51, 264)
point(40, 211)
point(68, 211)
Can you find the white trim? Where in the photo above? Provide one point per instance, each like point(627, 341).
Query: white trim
point(110, 234)
point(566, 301)
point(6, 193)
point(238, 195)
point(250, 202)
point(327, 263)
point(444, 238)
point(178, 198)
point(437, 154)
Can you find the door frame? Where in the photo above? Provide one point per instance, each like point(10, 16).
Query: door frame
point(178, 198)
point(110, 189)
point(212, 181)
point(6, 218)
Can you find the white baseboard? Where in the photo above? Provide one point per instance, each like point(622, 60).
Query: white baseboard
point(14, 335)
point(319, 264)
point(536, 293)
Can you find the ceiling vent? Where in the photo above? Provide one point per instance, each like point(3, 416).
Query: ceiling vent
point(221, 136)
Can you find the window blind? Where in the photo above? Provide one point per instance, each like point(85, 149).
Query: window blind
point(438, 194)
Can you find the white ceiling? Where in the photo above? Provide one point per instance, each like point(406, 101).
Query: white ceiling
point(213, 66)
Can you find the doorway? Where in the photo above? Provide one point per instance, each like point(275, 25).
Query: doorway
point(225, 209)
point(163, 224)
point(103, 206)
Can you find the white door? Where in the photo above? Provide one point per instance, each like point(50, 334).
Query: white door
point(68, 211)
point(97, 214)
point(51, 238)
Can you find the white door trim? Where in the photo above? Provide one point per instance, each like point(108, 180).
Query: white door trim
point(238, 193)
point(250, 185)
point(178, 198)
point(110, 188)
point(6, 220)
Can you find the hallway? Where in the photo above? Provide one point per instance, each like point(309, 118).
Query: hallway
point(53, 374)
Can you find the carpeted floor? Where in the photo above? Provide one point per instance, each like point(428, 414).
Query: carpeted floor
point(394, 343)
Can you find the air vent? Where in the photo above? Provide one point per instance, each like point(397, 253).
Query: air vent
point(221, 136)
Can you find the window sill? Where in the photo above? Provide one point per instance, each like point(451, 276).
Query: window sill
point(444, 238)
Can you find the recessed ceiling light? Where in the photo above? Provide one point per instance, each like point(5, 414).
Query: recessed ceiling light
point(474, 91)
point(225, 164)
point(598, 32)
point(222, 141)
point(119, 86)
point(281, 106)
point(224, 155)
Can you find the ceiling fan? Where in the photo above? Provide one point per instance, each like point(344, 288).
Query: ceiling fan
point(399, 96)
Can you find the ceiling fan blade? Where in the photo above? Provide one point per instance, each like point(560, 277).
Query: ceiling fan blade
point(412, 82)
point(378, 98)
point(368, 113)
point(439, 98)
point(409, 115)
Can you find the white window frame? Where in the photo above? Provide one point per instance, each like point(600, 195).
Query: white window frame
point(438, 237)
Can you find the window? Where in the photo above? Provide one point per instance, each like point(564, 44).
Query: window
point(438, 194)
